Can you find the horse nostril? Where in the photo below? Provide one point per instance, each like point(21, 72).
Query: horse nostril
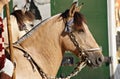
point(99, 60)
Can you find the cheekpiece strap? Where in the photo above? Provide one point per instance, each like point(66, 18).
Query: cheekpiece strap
point(68, 26)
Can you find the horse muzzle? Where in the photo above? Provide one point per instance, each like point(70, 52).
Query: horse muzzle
point(94, 59)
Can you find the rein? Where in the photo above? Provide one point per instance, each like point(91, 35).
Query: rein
point(76, 70)
point(31, 60)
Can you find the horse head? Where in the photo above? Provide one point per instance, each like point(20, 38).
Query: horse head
point(25, 19)
point(78, 39)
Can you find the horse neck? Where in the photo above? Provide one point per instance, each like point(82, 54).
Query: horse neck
point(45, 47)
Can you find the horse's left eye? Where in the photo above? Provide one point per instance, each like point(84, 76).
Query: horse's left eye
point(80, 30)
point(31, 25)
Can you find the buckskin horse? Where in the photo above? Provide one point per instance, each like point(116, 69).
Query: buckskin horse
point(38, 54)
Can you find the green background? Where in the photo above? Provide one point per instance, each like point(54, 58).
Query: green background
point(95, 12)
point(10, 7)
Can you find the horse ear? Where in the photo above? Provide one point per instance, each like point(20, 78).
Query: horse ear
point(79, 7)
point(15, 8)
point(73, 9)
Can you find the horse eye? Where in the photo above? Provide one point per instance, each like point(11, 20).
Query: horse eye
point(31, 25)
point(80, 30)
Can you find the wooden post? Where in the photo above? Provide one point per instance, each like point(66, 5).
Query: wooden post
point(10, 35)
